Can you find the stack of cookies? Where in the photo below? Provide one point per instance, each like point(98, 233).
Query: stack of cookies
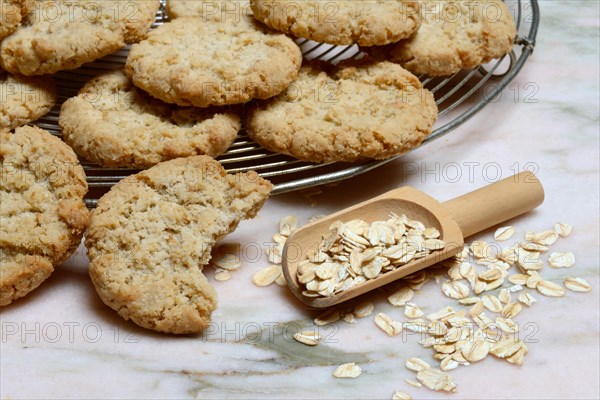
point(187, 89)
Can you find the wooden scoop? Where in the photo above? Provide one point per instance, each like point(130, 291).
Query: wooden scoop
point(455, 219)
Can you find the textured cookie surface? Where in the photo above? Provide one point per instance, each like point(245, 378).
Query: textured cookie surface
point(218, 10)
point(206, 62)
point(43, 215)
point(115, 124)
point(151, 234)
point(342, 22)
point(24, 99)
point(357, 112)
point(64, 34)
point(11, 14)
point(455, 34)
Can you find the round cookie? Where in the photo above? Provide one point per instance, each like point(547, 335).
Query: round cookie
point(24, 99)
point(210, 9)
point(367, 111)
point(150, 236)
point(64, 34)
point(341, 22)
point(11, 14)
point(41, 207)
point(454, 35)
point(115, 124)
point(212, 63)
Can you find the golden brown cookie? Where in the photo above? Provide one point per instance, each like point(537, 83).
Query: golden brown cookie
point(65, 34)
point(115, 124)
point(152, 233)
point(218, 10)
point(371, 110)
point(342, 22)
point(454, 35)
point(24, 99)
point(12, 13)
point(41, 208)
point(213, 63)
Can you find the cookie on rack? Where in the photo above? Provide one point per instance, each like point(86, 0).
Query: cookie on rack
point(24, 99)
point(115, 124)
point(41, 207)
point(361, 110)
point(152, 233)
point(12, 13)
point(341, 22)
point(454, 35)
point(209, 9)
point(65, 34)
point(191, 61)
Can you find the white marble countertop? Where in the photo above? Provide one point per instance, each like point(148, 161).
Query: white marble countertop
point(62, 342)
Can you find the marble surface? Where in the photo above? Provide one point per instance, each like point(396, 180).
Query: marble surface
point(62, 342)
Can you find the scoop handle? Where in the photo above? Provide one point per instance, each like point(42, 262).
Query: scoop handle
point(496, 203)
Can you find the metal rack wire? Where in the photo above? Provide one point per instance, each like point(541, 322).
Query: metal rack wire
point(458, 97)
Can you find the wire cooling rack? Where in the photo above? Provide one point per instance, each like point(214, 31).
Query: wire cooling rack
point(458, 97)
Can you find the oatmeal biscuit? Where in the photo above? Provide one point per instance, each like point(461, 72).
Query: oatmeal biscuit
point(41, 207)
point(65, 34)
point(213, 63)
point(341, 22)
point(12, 13)
point(24, 99)
point(115, 124)
point(454, 35)
point(150, 236)
point(210, 9)
point(369, 110)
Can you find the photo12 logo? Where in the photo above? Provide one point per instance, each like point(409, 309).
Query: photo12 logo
point(63, 332)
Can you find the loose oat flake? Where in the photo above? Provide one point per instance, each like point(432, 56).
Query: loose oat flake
point(267, 276)
point(476, 349)
point(511, 310)
point(416, 364)
point(577, 284)
point(222, 276)
point(288, 224)
point(455, 289)
point(280, 281)
point(550, 289)
point(526, 298)
point(468, 301)
point(309, 338)
point(412, 311)
point(562, 260)
point(480, 249)
point(349, 370)
point(388, 325)
point(363, 309)
point(506, 347)
point(434, 379)
point(448, 364)
point(476, 309)
point(519, 357)
point(563, 230)
point(546, 238)
point(492, 303)
point(504, 233)
point(227, 261)
point(401, 297)
point(413, 383)
point(328, 317)
point(349, 318)
point(490, 275)
point(504, 296)
point(401, 396)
